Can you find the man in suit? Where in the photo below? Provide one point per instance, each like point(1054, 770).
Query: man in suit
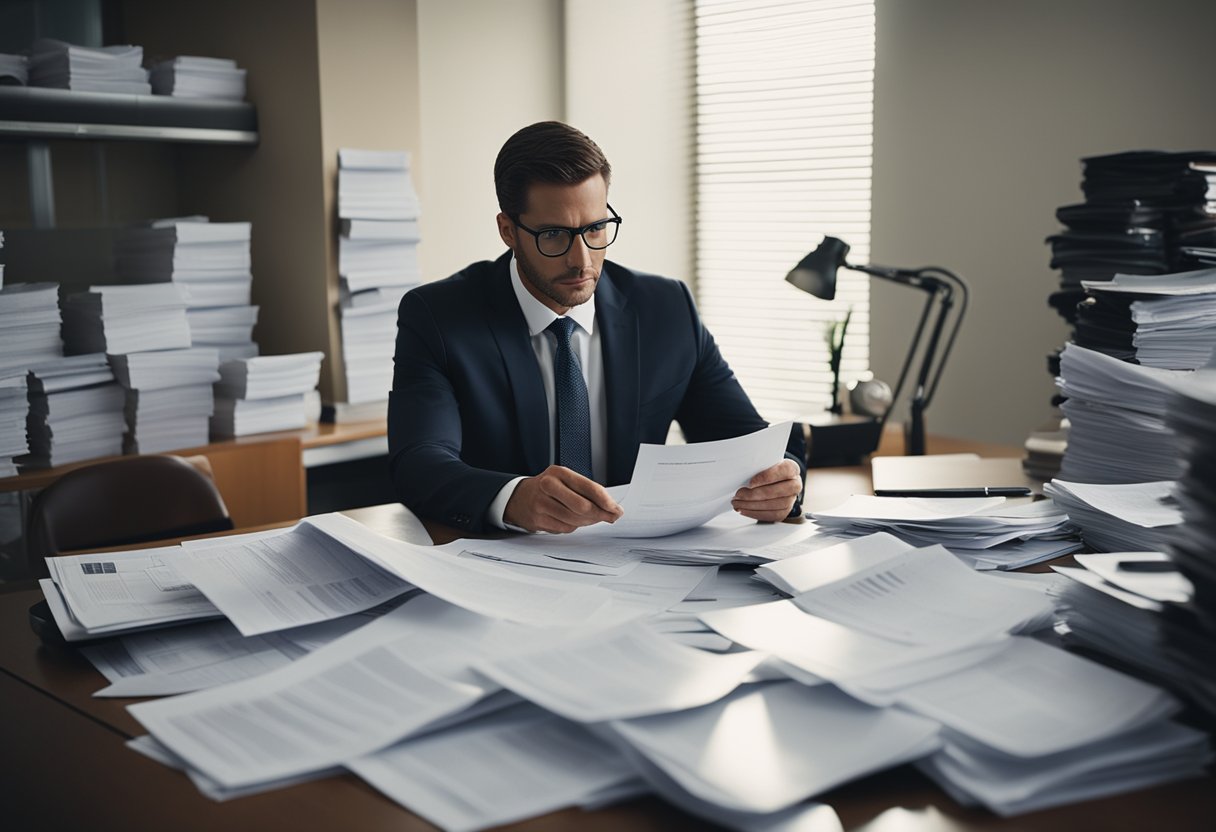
point(524, 385)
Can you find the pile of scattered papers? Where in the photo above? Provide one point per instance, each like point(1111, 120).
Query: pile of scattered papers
point(985, 532)
point(54, 63)
point(169, 397)
point(267, 393)
point(1116, 412)
point(211, 262)
point(1135, 517)
point(76, 411)
point(127, 318)
point(377, 263)
point(1189, 630)
point(191, 77)
point(478, 690)
point(14, 70)
point(29, 326)
point(1166, 321)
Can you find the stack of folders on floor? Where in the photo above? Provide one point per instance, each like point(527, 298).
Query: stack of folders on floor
point(377, 263)
point(211, 262)
point(128, 318)
point(1129, 517)
point(190, 77)
point(267, 393)
point(984, 532)
point(14, 410)
point(1166, 321)
point(169, 397)
point(76, 411)
point(1189, 629)
point(29, 326)
point(54, 63)
point(1117, 412)
point(509, 689)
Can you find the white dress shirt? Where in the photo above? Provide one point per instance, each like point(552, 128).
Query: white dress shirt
point(585, 342)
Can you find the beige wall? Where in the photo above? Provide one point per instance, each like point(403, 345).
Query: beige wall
point(486, 69)
point(637, 105)
point(982, 112)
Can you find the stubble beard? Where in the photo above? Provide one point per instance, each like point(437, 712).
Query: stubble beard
point(552, 291)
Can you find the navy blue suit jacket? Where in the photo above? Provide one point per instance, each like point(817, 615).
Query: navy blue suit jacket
point(467, 412)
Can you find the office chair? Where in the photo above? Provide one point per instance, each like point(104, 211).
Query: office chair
point(126, 501)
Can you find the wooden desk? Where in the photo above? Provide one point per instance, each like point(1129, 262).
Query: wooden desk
point(64, 765)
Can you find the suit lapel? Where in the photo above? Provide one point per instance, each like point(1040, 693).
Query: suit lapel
point(622, 376)
point(511, 333)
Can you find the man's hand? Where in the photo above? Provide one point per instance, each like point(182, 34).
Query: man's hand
point(559, 500)
point(769, 495)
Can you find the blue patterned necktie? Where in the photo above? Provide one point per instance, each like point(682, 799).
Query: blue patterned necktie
point(573, 410)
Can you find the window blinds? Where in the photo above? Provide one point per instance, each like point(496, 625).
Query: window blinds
point(784, 138)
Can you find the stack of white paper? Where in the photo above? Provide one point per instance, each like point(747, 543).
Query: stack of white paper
point(76, 411)
point(29, 326)
point(504, 767)
point(377, 262)
point(169, 398)
point(1116, 411)
point(1133, 517)
point(187, 76)
point(212, 263)
point(985, 532)
point(1173, 316)
point(1105, 735)
point(14, 411)
point(126, 318)
point(14, 69)
point(266, 393)
point(766, 748)
point(54, 63)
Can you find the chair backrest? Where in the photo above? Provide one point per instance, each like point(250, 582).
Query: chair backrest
point(126, 501)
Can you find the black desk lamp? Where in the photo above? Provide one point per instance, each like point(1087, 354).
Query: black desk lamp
point(816, 274)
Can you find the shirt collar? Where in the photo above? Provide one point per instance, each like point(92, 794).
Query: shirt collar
point(540, 316)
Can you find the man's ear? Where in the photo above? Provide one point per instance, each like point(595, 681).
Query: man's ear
point(507, 231)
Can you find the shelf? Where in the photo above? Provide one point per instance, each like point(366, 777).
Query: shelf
point(42, 113)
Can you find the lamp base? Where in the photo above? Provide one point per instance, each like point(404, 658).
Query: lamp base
point(841, 440)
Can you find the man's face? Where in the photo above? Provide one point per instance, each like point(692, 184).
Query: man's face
point(559, 282)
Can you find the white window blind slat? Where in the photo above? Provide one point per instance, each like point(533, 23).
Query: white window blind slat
point(784, 149)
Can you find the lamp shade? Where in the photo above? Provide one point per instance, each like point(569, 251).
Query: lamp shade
point(816, 273)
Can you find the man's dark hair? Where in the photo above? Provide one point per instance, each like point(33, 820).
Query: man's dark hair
point(548, 152)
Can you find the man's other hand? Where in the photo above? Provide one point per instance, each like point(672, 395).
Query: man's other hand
point(769, 495)
point(560, 500)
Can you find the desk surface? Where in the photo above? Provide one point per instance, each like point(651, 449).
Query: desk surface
point(65, 766)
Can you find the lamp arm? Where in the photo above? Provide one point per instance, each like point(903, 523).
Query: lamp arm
point(947, 302)
point(916, 337)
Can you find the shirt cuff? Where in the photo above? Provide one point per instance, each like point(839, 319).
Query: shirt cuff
point(494, 514)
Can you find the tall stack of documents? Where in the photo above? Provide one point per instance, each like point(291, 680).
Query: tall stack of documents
point(126, 318)
point(29, 326)
point(267, 393)
point(14, 70)
point(1117, 412)
point(1189, 629)
point(76, 411)
point(54, 63)
point(169, 397)
point(211, 262)
point(14, 410)
point(187, 76)
point(377, 263)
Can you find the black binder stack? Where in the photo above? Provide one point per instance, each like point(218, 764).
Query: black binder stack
point(1189, 630)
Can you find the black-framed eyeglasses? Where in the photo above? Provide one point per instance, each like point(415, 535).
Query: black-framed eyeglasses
point(556, 240)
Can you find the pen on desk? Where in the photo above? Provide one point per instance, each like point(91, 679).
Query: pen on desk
point(1147, 566)
point(990, 491)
